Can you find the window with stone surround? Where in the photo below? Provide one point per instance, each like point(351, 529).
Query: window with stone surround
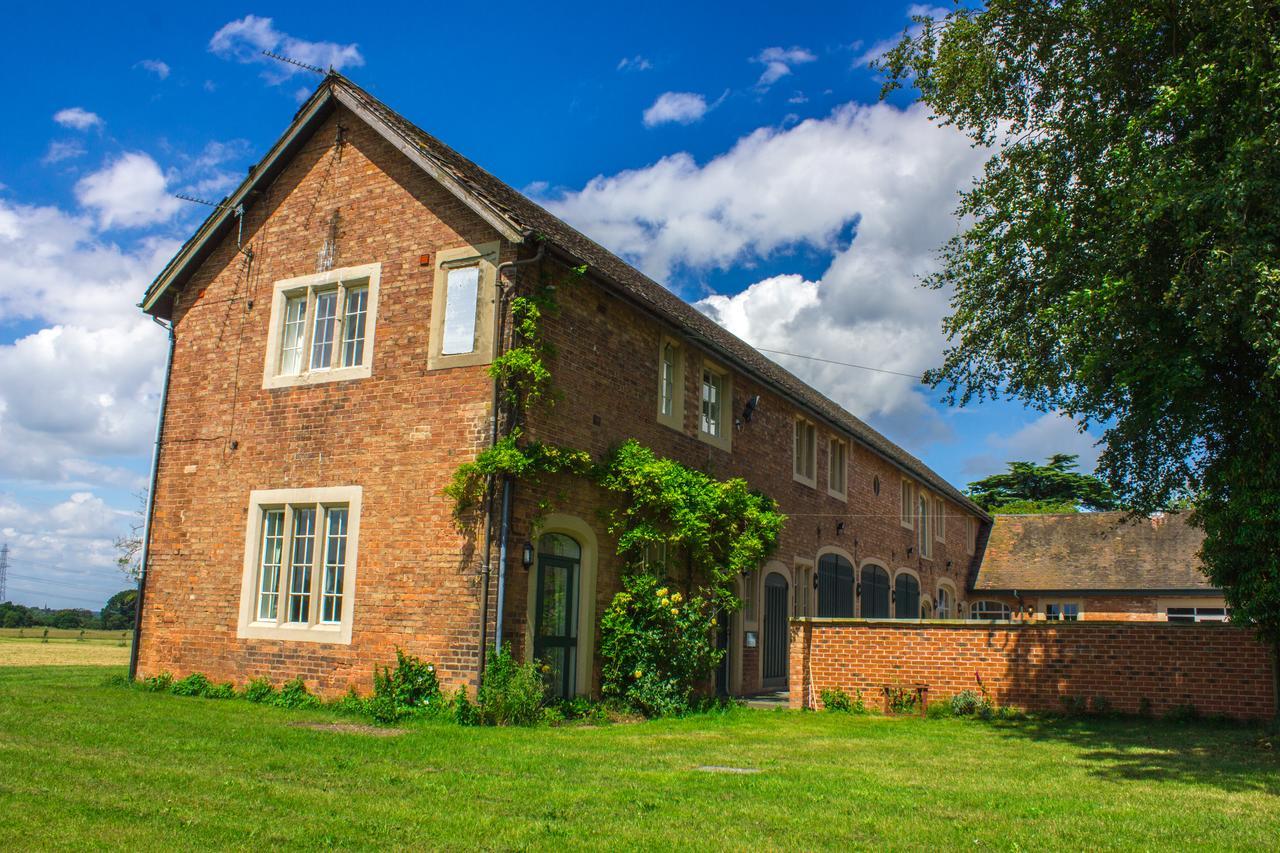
point(322, 327)
point(714, 420)
point(837, 468)
point(670, 383)
point(805, 452)
point(300, 564)
point(462, 306)
point(907, 517)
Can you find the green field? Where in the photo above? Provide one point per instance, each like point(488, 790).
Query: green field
point(91, 765)
point(28, 647)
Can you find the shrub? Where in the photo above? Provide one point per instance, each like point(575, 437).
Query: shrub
point(351, 703)
point(158, 683)
point(462, 711)
point(1101, 706)
point(657, 647)
point(294, 694)
point(965, 703)
point(194, 684)
point(835, 699)
point(384, 710)
point(412, 686)
point(512, 693)
point(939, 710)
point(1073, 706)
point(259, 690)
point(1144, 707)
point(225, 690)
point(902, 700)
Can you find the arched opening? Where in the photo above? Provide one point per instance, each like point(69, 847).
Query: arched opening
point(555, 626)
point(946, 602)
point(926, 608)
point(835, 587)
point(874, 592)
point(774, 670)
point(906, 597)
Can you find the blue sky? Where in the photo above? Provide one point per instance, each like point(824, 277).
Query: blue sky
point(737, 153)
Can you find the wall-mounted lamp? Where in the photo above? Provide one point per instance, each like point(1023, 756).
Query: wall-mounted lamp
point(526, 555)
point(858, 590)
point(948, 564)
point(909, 551)
point(839, 527)
point(750, 409)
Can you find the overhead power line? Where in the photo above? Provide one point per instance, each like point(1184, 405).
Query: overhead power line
point(914, 376)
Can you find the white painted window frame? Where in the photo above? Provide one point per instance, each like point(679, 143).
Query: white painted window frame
point(250, 626)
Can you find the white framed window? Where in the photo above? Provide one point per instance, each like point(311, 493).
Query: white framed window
point(462, 306)
point(970, 535)
point(1062, 611)
point(805, 452)
point(925, 540)
point(939, 520)
point(1198, 614)
point(946, 603)
point(300, 564)
point(907, 518)
point(989, 610)
point(714, 417)
point(837, 468)
point(670, 383)
point(322, 327)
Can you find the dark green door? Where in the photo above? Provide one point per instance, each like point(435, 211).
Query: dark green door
point(555, 635)
point(775, 631)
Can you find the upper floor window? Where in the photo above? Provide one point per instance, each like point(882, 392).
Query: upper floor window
point(922, 525)
point(805, 451)
point(322, 327)
point(908, 504)
point(299, 572)
point(713, 425)
point(837, 468)
point(462, 306)
point(939, 519)
point(670, 383)
point(970, 534)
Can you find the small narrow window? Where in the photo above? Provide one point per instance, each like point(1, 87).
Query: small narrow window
point(989, 610)
point(712, 402)
point(460, 310)
point(353, 320)
point(946, 603)
point(749, 597)
point(304, 540)
point(837, 468)
point(908, 504)
point(326, 319)
point(295, 315)
point(970, 534)
point(269, 568)
point(939, 520)
point(804, 451)
point(335, 560)
point(668, 380)
point(923, 522)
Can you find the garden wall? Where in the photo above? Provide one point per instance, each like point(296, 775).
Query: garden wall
point(1220, 669)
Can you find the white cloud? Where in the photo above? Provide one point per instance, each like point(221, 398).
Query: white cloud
point(880, 48)
point(60, 150)
point(888, 176)
point(634, 63)
point(777, 62)
point(1050, 433)
point(128, 192)
point(678, 107)
point(77, 118)
point(155, 66)
point(244, 40)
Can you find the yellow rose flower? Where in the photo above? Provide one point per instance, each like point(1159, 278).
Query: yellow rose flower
point(638, 673)
point(663, 592)
point(676, 598)
point(674, 612)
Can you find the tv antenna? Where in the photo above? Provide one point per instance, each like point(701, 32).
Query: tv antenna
point(4, 569)
point(192, 198)
point(285, 59)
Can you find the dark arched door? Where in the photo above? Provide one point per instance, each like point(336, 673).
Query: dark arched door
point(835, 587)
point(875, 592)
point(906, 597)
point(775, 630)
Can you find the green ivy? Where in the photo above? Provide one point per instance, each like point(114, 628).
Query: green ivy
point(508, 458)
point(520, 371)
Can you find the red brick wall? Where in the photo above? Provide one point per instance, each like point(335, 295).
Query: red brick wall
point(401, 432)
point(1221, 669)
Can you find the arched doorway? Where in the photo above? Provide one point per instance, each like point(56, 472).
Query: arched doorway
point(835, 587)
point(906, 597)
point(874, 592)
point(774, 669)
point(555, 629)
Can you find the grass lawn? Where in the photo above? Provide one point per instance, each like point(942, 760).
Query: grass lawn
point(89, 765)
point(99, 648)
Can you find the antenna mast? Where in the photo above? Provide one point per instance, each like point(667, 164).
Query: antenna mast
point(4, 569)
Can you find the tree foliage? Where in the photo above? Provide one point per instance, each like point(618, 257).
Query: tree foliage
point(1028, 488)
point(1119, 261)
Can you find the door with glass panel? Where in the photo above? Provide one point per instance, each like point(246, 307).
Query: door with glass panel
point(555, 630)
point(775, 631)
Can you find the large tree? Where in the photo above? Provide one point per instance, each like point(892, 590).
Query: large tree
point(1119, 255)
point(1055, 486)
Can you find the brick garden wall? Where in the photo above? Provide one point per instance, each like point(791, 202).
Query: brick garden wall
point(1220, 669)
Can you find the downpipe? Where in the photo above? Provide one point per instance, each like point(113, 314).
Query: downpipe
point(145, 557)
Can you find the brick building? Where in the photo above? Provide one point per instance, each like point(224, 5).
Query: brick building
point(332, 326)
point(1095, 566)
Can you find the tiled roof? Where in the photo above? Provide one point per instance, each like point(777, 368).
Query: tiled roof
point(508, 206)
point(532, 217)
point(1103, 551)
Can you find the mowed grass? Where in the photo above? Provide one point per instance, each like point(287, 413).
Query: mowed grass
point(91, 765)
point(64, 648)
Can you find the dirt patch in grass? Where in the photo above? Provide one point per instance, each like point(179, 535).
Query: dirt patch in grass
point(32, 652)
point(350, 728)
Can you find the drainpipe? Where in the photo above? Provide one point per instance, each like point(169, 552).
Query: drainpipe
point(507, 487)
point(144, 560)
